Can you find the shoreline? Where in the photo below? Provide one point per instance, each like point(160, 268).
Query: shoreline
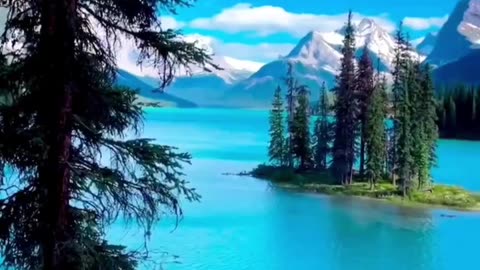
point(396, 201)
point(439, 197)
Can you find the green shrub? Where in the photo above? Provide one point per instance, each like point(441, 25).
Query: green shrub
point(446, 195)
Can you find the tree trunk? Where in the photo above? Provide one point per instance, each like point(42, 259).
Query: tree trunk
point(56, 49)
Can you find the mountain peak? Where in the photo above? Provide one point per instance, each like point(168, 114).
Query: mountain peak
point(366, 25)
point(314, 50)
point(450, 44)
point(426, 46)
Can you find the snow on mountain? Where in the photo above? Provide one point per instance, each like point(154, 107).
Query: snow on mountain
point(232, 70)
point(201, 86)
point(470, 25)
point(380, 43)
point(315, 59)
point(314, 51)
point(243, 65)
point(426, 46)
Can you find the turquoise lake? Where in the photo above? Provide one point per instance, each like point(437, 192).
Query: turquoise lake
point(242, 223)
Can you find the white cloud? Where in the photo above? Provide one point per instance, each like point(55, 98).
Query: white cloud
point(267, 20)
point(169, 22)
point(470, 26)
point(263, 52)
point(417, 23)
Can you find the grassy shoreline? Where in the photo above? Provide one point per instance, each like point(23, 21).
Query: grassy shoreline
point(437, 196)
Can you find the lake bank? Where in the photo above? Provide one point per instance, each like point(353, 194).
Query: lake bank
point(436, 196)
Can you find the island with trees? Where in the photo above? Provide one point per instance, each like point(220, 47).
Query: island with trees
point(365, 141)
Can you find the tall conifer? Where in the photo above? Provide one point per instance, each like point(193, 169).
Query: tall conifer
point(292, 86)
point(376, 141)
point(321, 136)
point(346, 111)
point(276, 149)
point(364, 89)
point(64, 113)
point(301, 131)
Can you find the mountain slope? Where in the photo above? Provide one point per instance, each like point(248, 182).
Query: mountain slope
point(315, 59)
point(450, 44)
point(146, 90)
point(428, 43)
point(463, 71)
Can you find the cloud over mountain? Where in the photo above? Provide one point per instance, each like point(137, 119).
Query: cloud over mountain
point(267, 20)
point(418, 23)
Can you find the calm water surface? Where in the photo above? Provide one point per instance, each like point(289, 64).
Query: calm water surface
point(242, 223)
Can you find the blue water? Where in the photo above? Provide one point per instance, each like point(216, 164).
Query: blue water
point(242, 223)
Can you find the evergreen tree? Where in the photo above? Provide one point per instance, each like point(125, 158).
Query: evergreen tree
point(276, 149)
point(291, 84)
point(301, 131)
point(428, 118)
point(54, 215)
point(399, 77)
point(364, 85)
point(321, 134)
point(376, 141)
point(346, 111)
point(404, 144)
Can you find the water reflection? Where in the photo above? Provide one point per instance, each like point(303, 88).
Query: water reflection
point(372, 235)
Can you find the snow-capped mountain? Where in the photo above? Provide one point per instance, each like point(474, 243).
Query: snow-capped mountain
point(463, 68)
point(426, 46)
point(201, 86)
point(315, 59)
point(470, 25)
point(379, 41)
point(450, 44)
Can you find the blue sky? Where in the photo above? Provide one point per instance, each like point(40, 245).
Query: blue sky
point(260, 30)
point(268, 28)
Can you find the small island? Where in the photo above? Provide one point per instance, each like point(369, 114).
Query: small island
point(352, 149)
point(436, 196)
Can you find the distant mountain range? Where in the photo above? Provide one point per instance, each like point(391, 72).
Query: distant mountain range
point(315, 59)
point(146, 91)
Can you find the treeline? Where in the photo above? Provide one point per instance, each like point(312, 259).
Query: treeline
point(404, 153)
point(458, 116)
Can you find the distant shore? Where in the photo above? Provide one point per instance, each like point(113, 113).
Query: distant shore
point(436, 196)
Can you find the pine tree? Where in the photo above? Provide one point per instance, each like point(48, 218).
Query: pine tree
point(399, 73)
point(346, 111)
point(301, 131)
point(404, 144)
point(428, 117)
point(276, 149)
point(291, 84)
point(416, 128)
point(321, 136)
point(376, 141)
point(364, 89)
point(55, 213)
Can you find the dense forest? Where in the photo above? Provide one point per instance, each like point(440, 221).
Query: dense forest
point(458, 116)
point(403, 152)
